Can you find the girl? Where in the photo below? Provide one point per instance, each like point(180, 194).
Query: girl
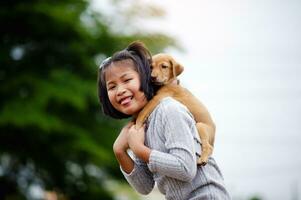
point(166, 148)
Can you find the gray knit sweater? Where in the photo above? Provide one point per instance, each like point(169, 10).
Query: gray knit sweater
point(175, 144)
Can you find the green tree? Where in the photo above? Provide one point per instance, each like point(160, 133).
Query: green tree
point(255, 198)
point(52, 132)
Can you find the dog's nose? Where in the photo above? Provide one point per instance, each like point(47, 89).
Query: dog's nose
point(154, 79)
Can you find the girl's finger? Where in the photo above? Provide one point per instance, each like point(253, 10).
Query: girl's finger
point(142, 128)
point(132, 127)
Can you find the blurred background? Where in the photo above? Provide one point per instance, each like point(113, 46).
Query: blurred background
point(242, 60)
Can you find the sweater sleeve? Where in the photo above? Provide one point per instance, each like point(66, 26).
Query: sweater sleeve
point(179, 161)
point(140, 178)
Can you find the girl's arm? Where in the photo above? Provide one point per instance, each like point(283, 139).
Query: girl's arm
point(136, 172)
point(125, 161)
point(120, 146)
point(140, 178)
point(178, 130)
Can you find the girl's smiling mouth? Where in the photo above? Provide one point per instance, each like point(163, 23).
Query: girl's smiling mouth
point(125, 100)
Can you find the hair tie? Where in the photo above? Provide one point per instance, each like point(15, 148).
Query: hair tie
point(105, 62)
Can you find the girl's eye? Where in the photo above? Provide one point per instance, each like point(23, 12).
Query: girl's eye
point(127, 80)
point(111, 87)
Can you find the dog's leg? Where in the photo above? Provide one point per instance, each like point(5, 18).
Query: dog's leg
point(212, 136)
point(207, 149)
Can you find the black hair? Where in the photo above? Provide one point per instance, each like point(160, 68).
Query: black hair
point(142, 58)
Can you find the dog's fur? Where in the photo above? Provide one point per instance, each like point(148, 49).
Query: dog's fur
point(164, 73)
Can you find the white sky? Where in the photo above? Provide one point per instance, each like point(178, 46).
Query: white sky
point(243, 60)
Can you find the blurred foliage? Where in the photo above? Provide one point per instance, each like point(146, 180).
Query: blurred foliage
point(52, 133)
point(255, 198)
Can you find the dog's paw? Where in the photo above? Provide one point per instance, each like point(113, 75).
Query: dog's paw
point(138, 125)
point(202, 161)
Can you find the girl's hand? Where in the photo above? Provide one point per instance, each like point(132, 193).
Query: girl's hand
point(136, 139)
point(121, 144)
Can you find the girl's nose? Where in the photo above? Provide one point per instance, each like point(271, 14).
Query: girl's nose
point(120, 90)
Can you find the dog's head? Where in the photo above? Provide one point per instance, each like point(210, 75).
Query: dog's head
point(164, 69)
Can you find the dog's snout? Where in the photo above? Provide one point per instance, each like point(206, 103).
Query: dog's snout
point(153, 78)
point(154, 75)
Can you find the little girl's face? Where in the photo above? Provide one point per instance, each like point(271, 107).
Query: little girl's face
point(123, 84)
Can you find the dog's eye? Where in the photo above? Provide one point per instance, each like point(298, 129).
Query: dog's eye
point(164, 66)
point(151, 67)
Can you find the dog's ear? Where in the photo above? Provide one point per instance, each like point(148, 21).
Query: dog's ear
point(179, 69)
point(176, 67)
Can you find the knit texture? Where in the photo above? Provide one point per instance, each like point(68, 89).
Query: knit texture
point(172, 135)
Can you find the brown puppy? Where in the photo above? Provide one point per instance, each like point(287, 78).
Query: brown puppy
point(164, 73)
